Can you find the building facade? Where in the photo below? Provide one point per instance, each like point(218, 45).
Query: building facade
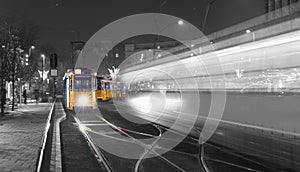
point(272, 5)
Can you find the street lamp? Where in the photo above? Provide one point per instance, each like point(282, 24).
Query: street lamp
point(248, 31)
point(2, 83)
point(180, 22)
point(30, 49)
point(43, 64)
point(206, 14)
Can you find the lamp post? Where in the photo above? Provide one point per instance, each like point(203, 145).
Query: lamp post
point(2, 82)
point(248, 31)
point(43, 65)
point(179, 23)
point(27, 61)
point(206, 13)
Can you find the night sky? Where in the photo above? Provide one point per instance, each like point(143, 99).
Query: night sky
point(61, 21)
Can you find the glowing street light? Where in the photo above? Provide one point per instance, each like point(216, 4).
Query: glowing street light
point(180, 22)
point(248, 31)
point(43, 64)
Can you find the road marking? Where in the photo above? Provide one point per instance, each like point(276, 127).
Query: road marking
point(231, 164)
point(109, 135)
point(103, 124)
point(82, 122)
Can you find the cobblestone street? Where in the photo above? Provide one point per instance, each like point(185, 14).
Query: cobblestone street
point(21, 133)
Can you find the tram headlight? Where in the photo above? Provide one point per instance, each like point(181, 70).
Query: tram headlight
point(83, 100)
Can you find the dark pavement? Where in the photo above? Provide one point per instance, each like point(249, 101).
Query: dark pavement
point(21, 134)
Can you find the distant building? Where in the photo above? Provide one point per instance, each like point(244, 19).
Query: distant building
point(272, 5)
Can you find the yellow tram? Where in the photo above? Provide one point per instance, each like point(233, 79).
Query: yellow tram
point(80, 88)
point(104, 89)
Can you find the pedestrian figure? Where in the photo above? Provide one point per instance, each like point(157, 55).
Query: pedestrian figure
point(25, 96)
point(3, 100)
point(36, 95)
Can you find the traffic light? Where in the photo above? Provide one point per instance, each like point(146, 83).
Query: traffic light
point(53, 60)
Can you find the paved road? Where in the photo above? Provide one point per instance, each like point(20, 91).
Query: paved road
point(21, 135)
point(118, 138)
point(233, 147)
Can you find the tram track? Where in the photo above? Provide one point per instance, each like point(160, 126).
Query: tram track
point(146, 147)
point(98, 154)
point(149, 149)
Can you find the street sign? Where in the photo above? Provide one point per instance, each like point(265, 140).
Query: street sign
point(53, 73)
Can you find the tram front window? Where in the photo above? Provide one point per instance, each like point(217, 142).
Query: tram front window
point(83, 83)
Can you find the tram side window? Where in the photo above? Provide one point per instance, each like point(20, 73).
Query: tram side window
point(107, 85)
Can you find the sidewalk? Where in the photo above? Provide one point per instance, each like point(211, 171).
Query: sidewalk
point(21, 134)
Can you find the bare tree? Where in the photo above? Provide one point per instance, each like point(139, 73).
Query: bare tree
point(16, 40)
